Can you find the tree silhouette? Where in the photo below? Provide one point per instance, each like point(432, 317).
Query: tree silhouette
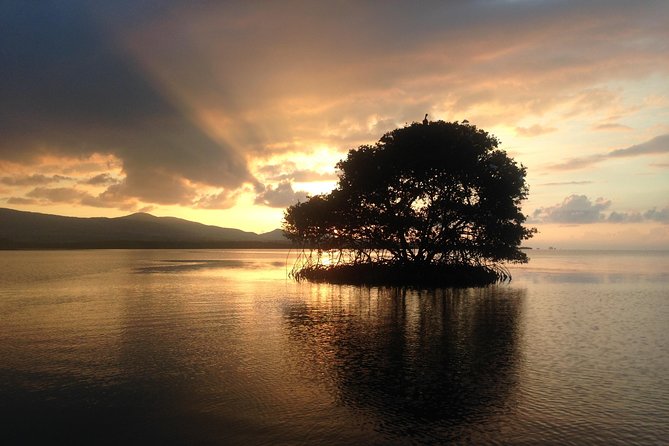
point(426, 200)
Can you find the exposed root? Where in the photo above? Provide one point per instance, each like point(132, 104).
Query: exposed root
point(451, 275)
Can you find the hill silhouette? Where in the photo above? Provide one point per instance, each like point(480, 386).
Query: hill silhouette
point(32, 230)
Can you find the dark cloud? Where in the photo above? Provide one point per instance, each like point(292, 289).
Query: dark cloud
point(573, 209)
point(280, 196)
point(314, 72)
point(101, 179)
point(657, 145)
point(70, 89)
point(21, 201)
point(111, 198)
point(624, 217)
point(92, 166)
point(661, 215)
point(657, 215)
point(32, 180)
point(57, 194)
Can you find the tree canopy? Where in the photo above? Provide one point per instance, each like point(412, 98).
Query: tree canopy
point(436, 194)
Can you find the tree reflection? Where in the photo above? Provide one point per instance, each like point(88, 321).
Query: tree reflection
point(414, 359)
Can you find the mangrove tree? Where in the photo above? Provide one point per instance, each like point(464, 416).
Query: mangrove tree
point(429, 203)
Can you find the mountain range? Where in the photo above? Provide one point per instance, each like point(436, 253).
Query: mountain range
point(32, 230)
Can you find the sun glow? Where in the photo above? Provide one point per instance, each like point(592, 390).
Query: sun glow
point(316, 187)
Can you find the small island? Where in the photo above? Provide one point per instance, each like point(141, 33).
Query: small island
point(430, 204)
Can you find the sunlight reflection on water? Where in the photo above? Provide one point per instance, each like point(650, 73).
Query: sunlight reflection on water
point(219, 347)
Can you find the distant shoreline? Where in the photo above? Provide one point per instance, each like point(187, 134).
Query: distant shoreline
point(21, 230)
point(64, 246)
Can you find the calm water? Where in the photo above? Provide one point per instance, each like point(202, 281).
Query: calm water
point(217, 347)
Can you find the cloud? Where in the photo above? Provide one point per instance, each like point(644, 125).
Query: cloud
point(289, 172)
point(69, 89)
point(654, 214)
point(305, 176)
point(534, 130)
point(32, 180)
point(578, 163)
point(222, 200)
point(573, 209)
point(488, 62)
point(57, 194)
point(624, 217)
point(657, 145)
point(567, 183)
point(110, 198)
point(661, 215)
point(579, 209)
point(280, 196)
point(101, 179)
point(21, 201)
point(612, 126)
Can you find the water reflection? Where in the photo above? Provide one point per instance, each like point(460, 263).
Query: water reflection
point(418, 361)
point(181, 347)
point(178, 266)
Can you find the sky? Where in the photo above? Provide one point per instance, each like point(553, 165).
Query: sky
point(227, 112)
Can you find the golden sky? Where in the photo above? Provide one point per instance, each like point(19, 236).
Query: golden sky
point(227, 112)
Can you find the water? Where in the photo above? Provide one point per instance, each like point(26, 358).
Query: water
point(218, 347)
